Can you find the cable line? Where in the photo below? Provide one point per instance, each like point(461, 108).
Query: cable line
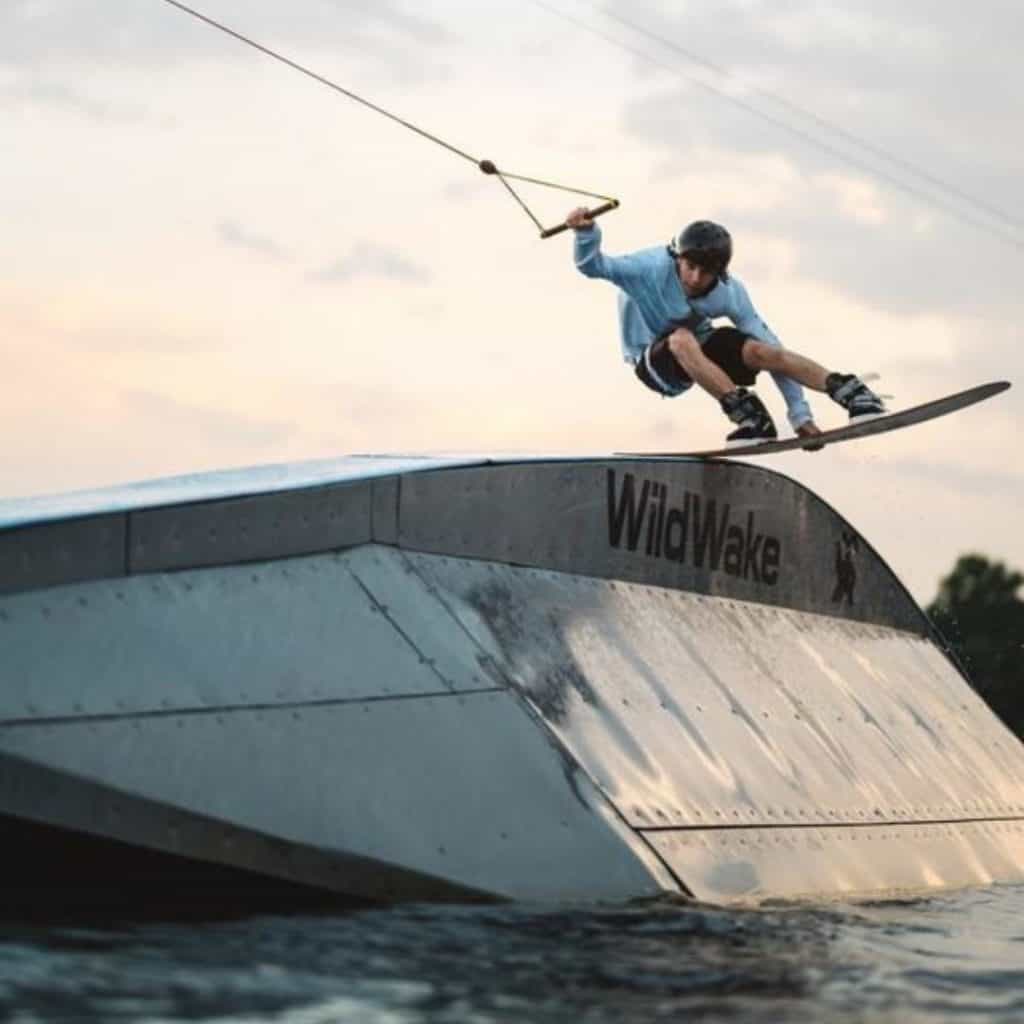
point(807, 137)
point(486, 166)
point(821, 122)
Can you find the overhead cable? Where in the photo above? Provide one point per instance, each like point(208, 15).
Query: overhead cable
point(487, 166)
point(876, 151)
point(1009, 237)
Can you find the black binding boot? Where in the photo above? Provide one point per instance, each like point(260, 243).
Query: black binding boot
point(754, 424)
point(854, 396)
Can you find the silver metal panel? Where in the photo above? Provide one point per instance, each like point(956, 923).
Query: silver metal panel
point(226, 483)
point(660, 624)
point(293, 631)
point(716, 528)
point(386, 491)
point(425, 624)
point(464, 788)
point(250, 529)
point(36, 793)
point(53, 553)
point(748, 865)
point(691, 710)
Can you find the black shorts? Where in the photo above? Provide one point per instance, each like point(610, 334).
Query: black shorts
point(658, 369)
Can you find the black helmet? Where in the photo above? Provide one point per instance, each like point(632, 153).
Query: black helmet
point(707, 244)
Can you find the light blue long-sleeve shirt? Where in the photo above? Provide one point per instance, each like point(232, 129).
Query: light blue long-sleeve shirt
point(652, 302)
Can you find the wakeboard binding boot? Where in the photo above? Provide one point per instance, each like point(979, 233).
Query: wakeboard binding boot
point(854, 396)
point(753, 423)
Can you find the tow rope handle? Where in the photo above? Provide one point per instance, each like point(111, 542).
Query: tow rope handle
point(489, 167)
point(612, 204)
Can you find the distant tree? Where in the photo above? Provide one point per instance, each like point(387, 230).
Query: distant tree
point(978, 611)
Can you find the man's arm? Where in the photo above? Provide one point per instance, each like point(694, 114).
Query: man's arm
point(590, 261)
point(746, 318)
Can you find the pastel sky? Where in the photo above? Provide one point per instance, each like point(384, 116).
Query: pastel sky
point(211, 261)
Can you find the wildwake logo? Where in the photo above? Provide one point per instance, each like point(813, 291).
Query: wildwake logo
point(846, 569)
point(699, 531)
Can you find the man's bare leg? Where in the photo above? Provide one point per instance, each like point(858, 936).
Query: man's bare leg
point(686, 349)
point(759, 356)
point(756, 354)
point(846, 390)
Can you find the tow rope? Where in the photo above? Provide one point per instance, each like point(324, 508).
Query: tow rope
point(487, 166)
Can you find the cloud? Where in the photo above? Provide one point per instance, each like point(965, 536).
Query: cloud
point(234, 234)
point(190, 421)
point(392, 15)
point(980, 483)
point(96, 322)
point(128, 32)
point(845, 216)
point(60, 96)
point(870, 72)
point(369, 259)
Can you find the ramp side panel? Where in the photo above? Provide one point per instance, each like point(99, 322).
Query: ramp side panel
point(50, 554)
point(716, 528)
point(698, 711)
point(250, 529)
point(196, 488)
point(34, 794)
point(462, 788)
point(750, 865)
point(302, 630)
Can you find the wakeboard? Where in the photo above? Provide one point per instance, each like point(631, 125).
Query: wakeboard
point(851, 432)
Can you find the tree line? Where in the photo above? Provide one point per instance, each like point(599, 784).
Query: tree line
point(978, 612)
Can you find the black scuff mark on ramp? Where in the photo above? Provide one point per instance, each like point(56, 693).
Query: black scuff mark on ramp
point(555, 676)
point(571, 768)
point(533, 658)
point(530, 629)
point(507, 623)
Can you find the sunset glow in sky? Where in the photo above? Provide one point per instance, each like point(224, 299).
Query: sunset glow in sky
point(212, 261)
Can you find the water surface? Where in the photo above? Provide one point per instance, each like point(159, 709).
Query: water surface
point(956, 956)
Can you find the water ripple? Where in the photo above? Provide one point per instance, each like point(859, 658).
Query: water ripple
point(954, 957)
